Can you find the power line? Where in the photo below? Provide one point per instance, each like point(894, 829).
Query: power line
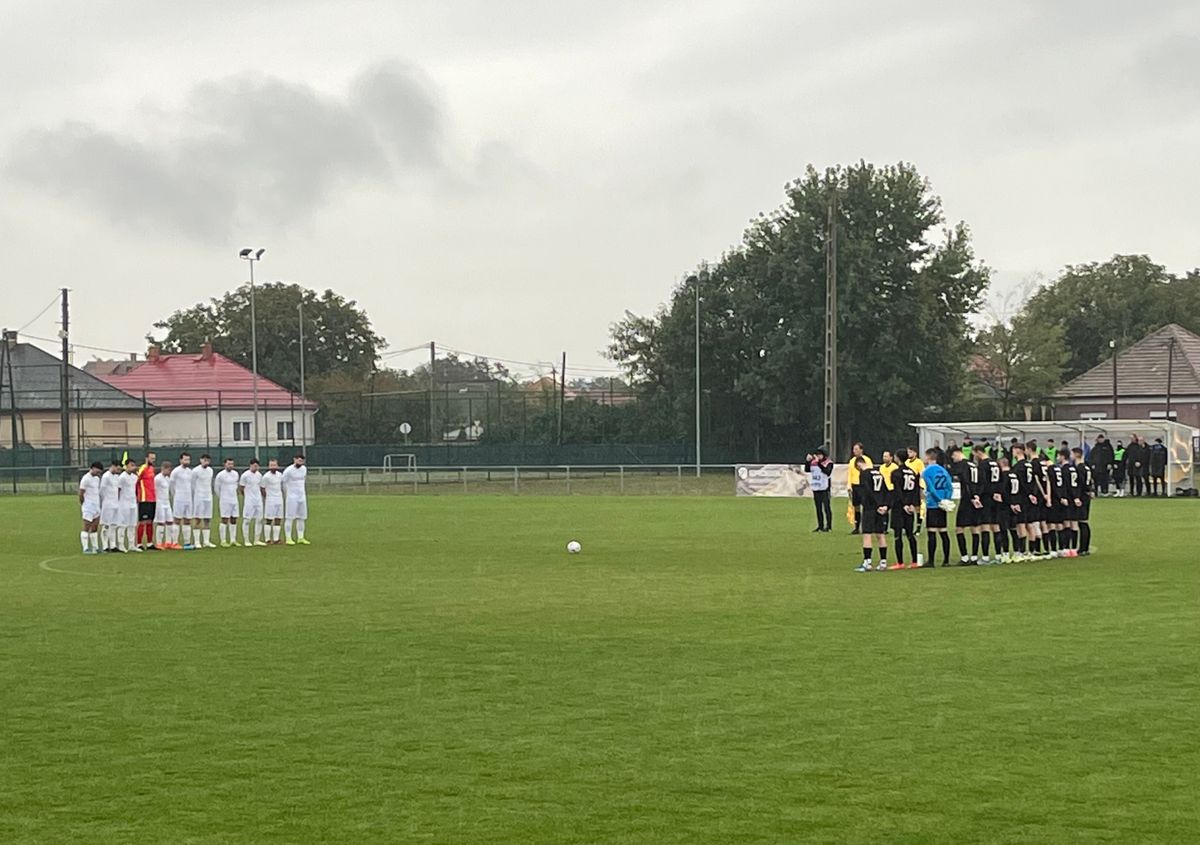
point(49, 305)
point(124, 352)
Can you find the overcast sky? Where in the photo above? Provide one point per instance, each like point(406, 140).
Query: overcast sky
point(509, 178)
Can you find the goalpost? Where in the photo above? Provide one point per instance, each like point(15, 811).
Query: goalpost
point(1180, 472)
point(396, 463)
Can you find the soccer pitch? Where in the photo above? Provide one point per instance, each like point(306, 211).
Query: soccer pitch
point(438, 669)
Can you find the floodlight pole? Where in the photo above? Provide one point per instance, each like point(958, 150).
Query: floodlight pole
point(696, 278)
point(252, 257)
point(1170, 368)
point(304, 407)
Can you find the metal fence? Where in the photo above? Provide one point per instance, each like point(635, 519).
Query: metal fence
point(561, 480)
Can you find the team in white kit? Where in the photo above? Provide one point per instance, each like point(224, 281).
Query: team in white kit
point(272, 506)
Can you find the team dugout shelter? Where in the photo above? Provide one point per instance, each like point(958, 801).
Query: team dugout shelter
point(1176, 437)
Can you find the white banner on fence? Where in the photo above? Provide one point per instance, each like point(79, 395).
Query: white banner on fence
point(783, 480)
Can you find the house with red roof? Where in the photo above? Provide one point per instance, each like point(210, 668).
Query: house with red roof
point(205, 399)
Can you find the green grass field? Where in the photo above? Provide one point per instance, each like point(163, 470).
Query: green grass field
point(438, 669)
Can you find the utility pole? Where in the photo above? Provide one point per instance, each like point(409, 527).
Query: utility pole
point(1112, 344)
point(696, 279)
point(64, 387)
point(1170, 369)
point(562, 397)
point(432, 385)
point(831, 327)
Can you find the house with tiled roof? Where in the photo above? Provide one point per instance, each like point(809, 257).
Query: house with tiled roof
point(98, 414)
point(204, 399)
point(1164, 362)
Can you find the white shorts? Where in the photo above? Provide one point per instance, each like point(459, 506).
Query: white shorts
point(128, 516)
point(297, 509)
point(162, 514)
point(229, 508)
point(110, 514)
point(202, 509)
point(252, 509)
point(273, 510)
point(182, 509)
point(89, 511)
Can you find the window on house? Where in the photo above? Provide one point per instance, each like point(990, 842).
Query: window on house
point(1162, 415)
point(285, 430)
point(241, 432)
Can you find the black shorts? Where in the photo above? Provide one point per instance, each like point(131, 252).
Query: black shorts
point(902, 521)
point(146, 511)
point(1005, 518)
point(1057, 514)
point(935, 518)
point(874, 522)
point(1084, 511)
point(967, 515)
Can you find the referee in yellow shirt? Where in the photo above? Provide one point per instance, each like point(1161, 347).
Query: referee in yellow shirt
point(852, 478)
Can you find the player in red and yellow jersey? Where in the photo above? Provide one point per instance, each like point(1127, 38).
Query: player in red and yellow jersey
point(146, 502)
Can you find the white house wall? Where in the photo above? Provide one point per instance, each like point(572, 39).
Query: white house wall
point(188, 427)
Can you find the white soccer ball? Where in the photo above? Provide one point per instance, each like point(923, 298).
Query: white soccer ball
point(574, 548)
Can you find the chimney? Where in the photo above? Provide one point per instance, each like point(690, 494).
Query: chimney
point(206, 352)
point(132, 356)
point(152, 353)
point(10, 337)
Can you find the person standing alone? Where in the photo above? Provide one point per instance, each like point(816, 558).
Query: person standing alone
point(820, 472)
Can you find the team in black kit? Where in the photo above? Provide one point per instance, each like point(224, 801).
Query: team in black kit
point(1013, 507)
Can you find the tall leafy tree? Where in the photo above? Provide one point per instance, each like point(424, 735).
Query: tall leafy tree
point(1020, 362)
point(1122, 299)
point(338, 337)
point(906, 287)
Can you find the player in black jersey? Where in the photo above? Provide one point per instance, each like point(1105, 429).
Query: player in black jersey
point(876, 503)
point(1057, 510)
point(966, 517)
point(990, 496)
point(1011, 530)
point(1087, 492)
point(1074, 503)
point(1042, 541)
point(1031, 500)
point(906, 506)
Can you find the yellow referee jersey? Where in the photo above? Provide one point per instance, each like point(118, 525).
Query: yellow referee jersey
point(852, 471)
point(886, 471)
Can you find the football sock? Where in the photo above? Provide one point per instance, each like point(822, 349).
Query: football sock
point(867, 553)
point(131, 536)
point(246, 531)
point(83, 540)
point(223, 532)
point(1035, 545)
point(94, 541)
point(883, 554)
point(932, 543)
point(912, 547)
point(899, 546)
point(287, 529)
point(1000, 541)
point(1052, 540)
point(1015, 540)
point(275, 530)
point(962, 544)
point(206, 536)
point(187, 534)
point(1085, 537)
point(945, 547)
point(987, 543)
point(299, 529)
point(974, 545)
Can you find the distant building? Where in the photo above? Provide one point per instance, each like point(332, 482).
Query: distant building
point(98, 413)
point(205, 399)
point(1170, 354)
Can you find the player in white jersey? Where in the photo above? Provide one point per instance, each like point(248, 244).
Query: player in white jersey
point(166, 533)
point(272, 491)
point(250, 486)
point(127, 487)
point(110, 507)
point(296, 504)
point(181, 498)
point(226, 485)
point(89, 508)
point(202, 503)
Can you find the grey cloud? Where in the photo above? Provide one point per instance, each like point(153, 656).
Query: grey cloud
point(248, 148)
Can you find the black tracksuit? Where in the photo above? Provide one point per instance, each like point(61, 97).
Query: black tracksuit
point(1137, 465)
point(1101, 459)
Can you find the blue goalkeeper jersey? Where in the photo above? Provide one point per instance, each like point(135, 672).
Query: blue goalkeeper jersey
point(938, 485)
